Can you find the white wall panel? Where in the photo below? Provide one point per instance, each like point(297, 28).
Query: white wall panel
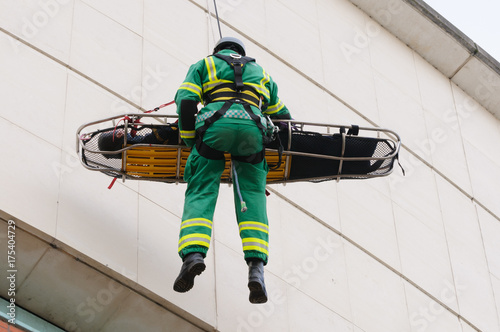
point(314, 262)
point(349, 80)
point(33, 91)
point(496, 292)
point(98, 221)
point(234, 311)
point(177, 27)
point(416, 192)
point(159, 264)
point(105, 50)
point(392, 60)
point(367, 218)
point(485, 175)
point(290, 37)
point(247, 16)
point(44, 24)
point(377, 295)
point(161, 77)
point(320, 199)
point(424, 254)
point(306, 315)
point(490, 231)
point(478, 126)
point(29, 179)
point(428, 315)
point(127, 13)
point(403, 114)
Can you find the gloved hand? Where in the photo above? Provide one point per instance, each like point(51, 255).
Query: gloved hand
point(284, 126)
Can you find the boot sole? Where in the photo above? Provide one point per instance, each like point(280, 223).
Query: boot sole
point(185, 282)
point(257, 292)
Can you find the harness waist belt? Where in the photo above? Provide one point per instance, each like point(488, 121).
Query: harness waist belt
point(227, 91)
point(210, 153)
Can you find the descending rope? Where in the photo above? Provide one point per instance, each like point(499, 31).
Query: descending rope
point(211, 28)
point(217, 16)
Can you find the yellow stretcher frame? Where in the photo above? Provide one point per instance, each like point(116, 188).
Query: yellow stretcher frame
point(166, 163)
point(160, 162)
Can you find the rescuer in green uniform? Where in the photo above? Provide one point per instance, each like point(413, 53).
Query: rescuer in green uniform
point(236, 93)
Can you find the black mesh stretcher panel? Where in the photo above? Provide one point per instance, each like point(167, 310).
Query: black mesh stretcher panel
point(373, 156)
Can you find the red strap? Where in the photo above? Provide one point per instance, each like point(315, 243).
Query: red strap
point(161, 106)
point(122, 119)
point(133, 131)
point(112, 183)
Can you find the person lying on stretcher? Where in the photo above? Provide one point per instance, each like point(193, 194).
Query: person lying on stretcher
point(113, 140)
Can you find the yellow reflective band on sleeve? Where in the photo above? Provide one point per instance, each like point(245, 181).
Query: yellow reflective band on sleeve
point(253, 225)
point(212, 72)
point(264, 79)
point(194, 239)
point(192, 88)
point(196, 222)
point(274, 108)
point(252, 243)
point(188, 134)
point(261, 89)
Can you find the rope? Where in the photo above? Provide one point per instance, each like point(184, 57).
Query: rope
point(161, 106)
point(217, 16)
point(237, 185)
point(211, 28)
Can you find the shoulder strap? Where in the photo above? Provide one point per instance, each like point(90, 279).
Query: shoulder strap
point(237, 62)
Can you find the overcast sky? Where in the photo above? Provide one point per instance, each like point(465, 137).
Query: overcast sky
point(478, 19)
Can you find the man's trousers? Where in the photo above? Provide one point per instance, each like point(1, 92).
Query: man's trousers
point(203, 180)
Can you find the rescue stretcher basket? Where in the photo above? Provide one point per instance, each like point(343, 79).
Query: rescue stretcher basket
point(148, 147)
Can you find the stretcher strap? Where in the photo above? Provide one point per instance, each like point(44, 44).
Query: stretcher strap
point(161, 106)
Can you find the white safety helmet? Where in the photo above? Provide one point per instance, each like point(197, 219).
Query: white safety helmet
point(231, 43)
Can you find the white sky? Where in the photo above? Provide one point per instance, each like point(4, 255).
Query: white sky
point(478, 19)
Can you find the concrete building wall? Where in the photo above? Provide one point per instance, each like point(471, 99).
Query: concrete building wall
point(403, 253)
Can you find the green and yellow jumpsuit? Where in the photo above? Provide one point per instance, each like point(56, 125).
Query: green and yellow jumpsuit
point(236, 133)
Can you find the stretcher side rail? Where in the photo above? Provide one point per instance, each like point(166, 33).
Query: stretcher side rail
point(131, 158)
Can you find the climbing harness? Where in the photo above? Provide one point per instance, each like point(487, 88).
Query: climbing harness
point(234, 93)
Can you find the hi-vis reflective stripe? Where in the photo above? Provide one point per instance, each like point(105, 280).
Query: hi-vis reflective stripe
point(196, 222)
point(188, 133)
point(274, 108)
point(264, 79)
point(212, 72)
point(229, 93)
point(212, 84)
point(252, 243)
point(253, 225)
point(194, 239)
point(261, 89)
point(191, 87)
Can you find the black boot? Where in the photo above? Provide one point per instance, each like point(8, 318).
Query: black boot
point(193, 266)
point(256, 284)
